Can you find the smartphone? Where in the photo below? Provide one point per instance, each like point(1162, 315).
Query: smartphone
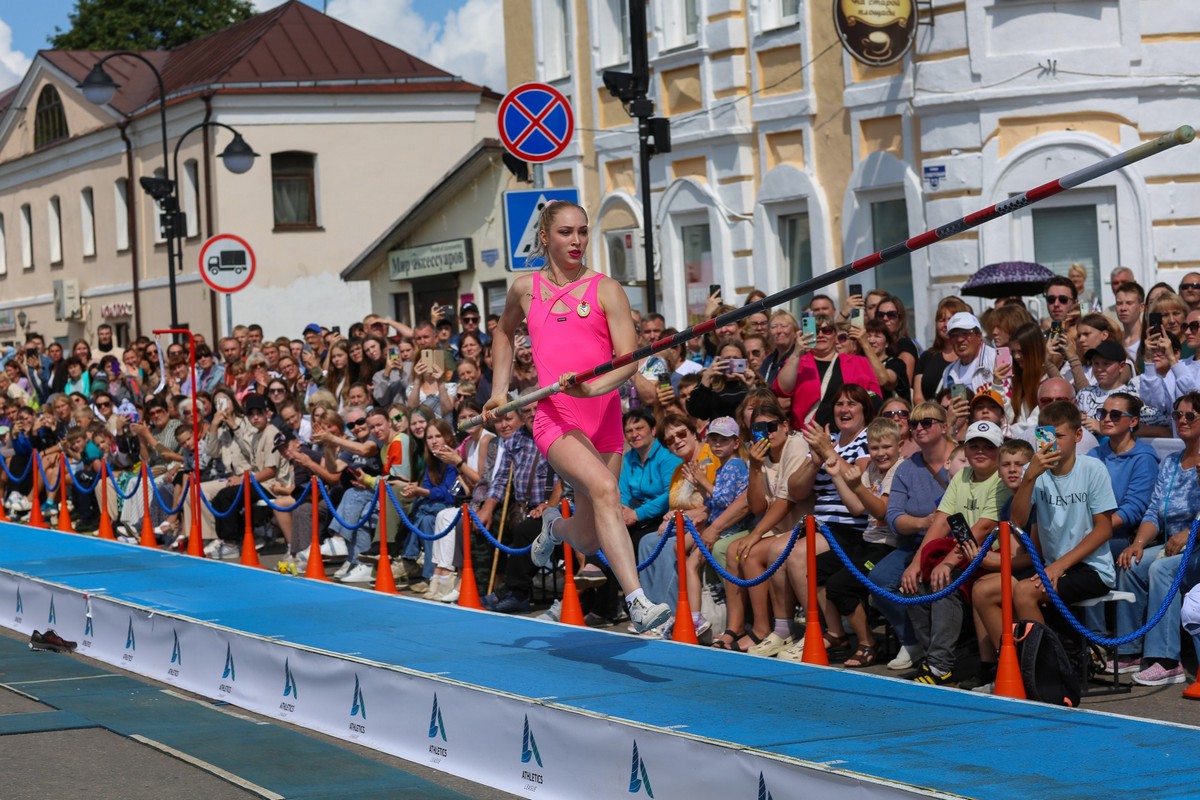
point(857, 319)
point(1056, 329)
point(855, 289)
point(961, 390)
point(336, 329)
point(1003, 357)
point(758, 431)
point(714, 288)
point(1045, 439)
point(808, 324)
point(222, 403)
point(737, 365)
point(1155, 323)
point(959, 528)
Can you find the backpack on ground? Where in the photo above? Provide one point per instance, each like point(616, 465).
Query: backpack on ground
point(1046, 671)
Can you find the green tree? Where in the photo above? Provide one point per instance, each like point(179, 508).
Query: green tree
point(146, 25)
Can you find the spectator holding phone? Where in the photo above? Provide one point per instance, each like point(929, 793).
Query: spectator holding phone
point(1108, 362)
point(723, 383)
point(931, 366)
point(892, 313)
point(974, 360)
point(358, 455)
point(813, 379)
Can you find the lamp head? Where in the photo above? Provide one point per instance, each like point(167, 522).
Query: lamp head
point(98, 87)
point(238, 156)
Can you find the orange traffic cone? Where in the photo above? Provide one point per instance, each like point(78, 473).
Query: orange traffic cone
point(315, 568)
point(249, 551)
point(64, 513)
point(1008, 670)
point(195, 543)
point(814, 639)
point(385, 581)
point(468, 591)
point(147, 539)
point(36, 519)
point(106, 530)
point(1192, 692)
point(571, 612)
point(684, 629)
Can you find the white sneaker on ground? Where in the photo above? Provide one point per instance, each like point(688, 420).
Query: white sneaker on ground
point(643, 613)
point(908, 655)
point(451, 593)
point(334, 546)
point(358, 573)
point(343, 570)
point(544, 544)
point(435, 588)
point(228, 552)
point(211, 548)
point(553, 613)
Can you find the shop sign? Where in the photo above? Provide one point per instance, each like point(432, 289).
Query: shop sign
point(116, 310)
point(875, 32)
point(427, 260)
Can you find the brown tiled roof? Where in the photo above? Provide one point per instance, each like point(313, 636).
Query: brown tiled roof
point(291, 48)
point(6, 98)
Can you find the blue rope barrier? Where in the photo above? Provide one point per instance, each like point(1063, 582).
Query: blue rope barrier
point(268, 497)
point(494, 542)
point(45, 478)
point(904, 600)
point(745, 583)
point(166, 507)
point(662, 541)
point(14, 478)
point(333, 511)
point(233, 507)
point(413, 528)
point(137, 482)
point(79, 486)
point(1091, 636)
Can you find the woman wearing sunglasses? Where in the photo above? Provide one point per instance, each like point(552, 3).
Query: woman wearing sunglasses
point(1147, 567)
point(812, 378)
point(891, 312)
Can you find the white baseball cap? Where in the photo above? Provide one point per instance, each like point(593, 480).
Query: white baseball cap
point(983, 429)
point(964, 321)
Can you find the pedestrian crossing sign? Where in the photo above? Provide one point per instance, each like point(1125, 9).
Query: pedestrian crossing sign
point(521, 210)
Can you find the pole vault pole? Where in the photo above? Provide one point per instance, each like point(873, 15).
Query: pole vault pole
point(1181, 135)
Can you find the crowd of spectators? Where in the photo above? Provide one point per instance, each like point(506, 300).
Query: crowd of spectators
point(1082, 428)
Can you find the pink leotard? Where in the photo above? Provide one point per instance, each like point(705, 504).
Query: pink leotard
point(566, 341)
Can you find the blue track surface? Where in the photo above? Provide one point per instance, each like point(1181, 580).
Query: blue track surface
point(949, 740)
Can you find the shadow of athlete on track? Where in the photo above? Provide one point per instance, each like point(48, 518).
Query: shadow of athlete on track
point(586, 650)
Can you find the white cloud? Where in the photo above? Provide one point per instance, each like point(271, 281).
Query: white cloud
point(13, 63)
point(467, 41)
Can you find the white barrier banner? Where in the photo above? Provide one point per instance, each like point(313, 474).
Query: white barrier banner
point(515, 744)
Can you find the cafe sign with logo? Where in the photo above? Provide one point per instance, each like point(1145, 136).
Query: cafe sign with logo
point(875, 32)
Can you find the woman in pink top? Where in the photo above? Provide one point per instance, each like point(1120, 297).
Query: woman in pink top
point(577, 319)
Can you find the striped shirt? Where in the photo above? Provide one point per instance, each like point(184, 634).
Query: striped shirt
point(829, 507)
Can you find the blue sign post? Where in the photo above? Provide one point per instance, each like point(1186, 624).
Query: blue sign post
point(521, 210)
point(536, 122)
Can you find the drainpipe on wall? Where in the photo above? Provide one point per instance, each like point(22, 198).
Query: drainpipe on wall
point(131, 228)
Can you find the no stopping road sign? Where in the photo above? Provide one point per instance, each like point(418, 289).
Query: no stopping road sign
point(536, 122)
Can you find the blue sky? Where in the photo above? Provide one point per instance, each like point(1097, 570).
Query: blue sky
point(452, 34)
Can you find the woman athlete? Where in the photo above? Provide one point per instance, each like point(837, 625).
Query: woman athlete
point(577, 319)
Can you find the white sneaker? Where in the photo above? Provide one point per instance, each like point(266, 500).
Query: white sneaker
point(553, 613)
point(343, 570)
point(228, 552)
point(334, 546)
point(212, 547)
point(436, 588)
point(908, 655)
point(544, 544)
point(302, 558)
point(451, 593)
point(359, 573)
point(643, 613)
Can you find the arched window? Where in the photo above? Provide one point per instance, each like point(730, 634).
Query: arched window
point(50, 121)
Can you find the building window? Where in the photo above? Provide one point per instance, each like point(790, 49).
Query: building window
point(49, 121)
point(615, 32)
point(1065, 235)
point(697, 268)
point(87, 219)
point(3, 248)
point(795, 242)
point(191, 196)
point(555, 40)
point(889, 224)
point(26, 236)
point(780, 13)
point(682, 21)
point(121, 213)
point(494, 295)
point(54, 224)
point(293, 187)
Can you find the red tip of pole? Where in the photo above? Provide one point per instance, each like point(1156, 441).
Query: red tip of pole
point(385, 581)
point(468, 591)
point(684, 629)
